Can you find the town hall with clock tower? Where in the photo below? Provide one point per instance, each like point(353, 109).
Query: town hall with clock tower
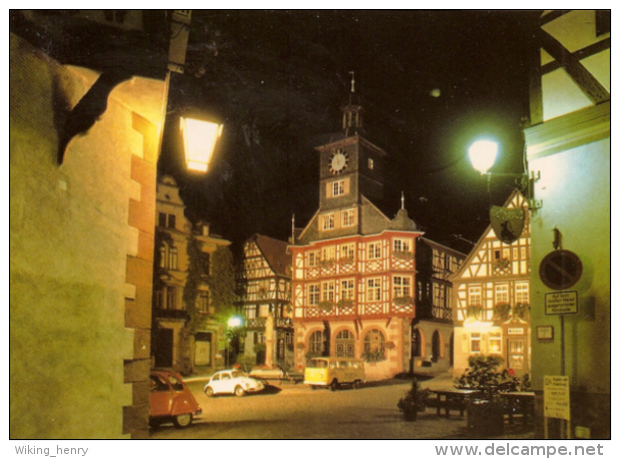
point(354, 287)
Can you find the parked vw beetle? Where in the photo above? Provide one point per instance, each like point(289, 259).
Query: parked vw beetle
point(232, 382)
point(171, 400)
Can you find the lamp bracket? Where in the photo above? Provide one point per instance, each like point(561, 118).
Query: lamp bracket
point(534, 204)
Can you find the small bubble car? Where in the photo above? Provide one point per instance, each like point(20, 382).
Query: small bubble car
point(171, 400)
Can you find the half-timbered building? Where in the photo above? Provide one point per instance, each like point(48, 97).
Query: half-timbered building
point(354, 269)
point(568, 146)
point(264, 284)
point(433, 339)
point(492, 299)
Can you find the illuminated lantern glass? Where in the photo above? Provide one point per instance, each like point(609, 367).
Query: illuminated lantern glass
point(199, 140)
point(482, 154)
point(234, 322)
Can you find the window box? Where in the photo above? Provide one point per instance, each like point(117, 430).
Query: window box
point(402, 255)
point(501, 312)
point(403, 300)
point(521, 310)
point(474, 311)
point(345, 303)
point(347, 260)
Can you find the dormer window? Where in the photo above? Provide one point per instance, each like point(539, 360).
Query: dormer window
point(348, 217)
point(371, 164)
point(328, 221)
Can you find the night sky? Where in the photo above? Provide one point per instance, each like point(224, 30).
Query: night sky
point(430, 83)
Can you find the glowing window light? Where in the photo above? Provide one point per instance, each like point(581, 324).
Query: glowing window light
point(199, 140)
point(482, 154)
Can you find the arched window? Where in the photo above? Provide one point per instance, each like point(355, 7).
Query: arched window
point(345, 344)
point(316, 343)
point(436, 347)
point(374, 343)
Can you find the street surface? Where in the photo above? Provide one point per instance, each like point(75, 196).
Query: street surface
point(298, 412)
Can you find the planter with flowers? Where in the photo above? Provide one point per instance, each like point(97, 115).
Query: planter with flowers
point(501, 312)
point(414, 401)
point(521, 310)
point(474, 311)
point(403, 300)
point(403, 255)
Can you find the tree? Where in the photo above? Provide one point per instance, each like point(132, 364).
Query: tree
point(222, 283)
point(195, 271)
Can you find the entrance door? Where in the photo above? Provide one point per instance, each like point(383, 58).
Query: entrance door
point(516, 353)
point(163, 347)
point(345, 344)
point(202, 349)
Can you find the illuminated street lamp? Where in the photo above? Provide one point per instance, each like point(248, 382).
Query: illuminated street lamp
point(482, 154)
point(199, 140)
point(233, 323)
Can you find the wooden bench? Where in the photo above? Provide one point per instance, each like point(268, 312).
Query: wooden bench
point(451, 399)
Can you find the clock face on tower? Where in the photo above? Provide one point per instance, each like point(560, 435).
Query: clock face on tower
point(339, 162)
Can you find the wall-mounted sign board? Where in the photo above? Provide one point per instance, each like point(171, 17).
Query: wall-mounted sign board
point(561, 302)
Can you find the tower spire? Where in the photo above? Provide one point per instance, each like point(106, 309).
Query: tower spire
point(351, 111)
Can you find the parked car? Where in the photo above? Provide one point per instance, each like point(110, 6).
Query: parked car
point(333, 372)
point(171, 399)
point(276, 374)
point(232, 382)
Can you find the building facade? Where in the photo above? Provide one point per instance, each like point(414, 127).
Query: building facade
point(432, 342)
point(354, 270)
point(491, 299)
point(82, 212)
point(185, 333)
point(568, 147)
point(264, 285)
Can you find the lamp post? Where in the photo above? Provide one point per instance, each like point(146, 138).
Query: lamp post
point(233, 323)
